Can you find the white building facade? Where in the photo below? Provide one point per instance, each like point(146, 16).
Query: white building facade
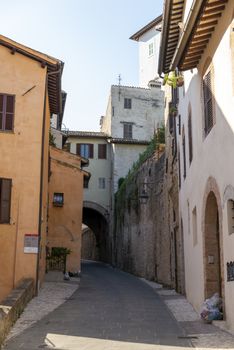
point(205, 134)
point(94, 147)
point(149, 42)
point(133, 116)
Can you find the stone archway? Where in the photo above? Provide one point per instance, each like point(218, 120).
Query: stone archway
point(212, 239)
point(97, 219)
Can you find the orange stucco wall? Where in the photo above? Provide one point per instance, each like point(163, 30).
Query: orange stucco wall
point(65, 222)
point(21, 161)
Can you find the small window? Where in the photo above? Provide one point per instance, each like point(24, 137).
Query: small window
point(58, 200)
point(230, 213)
point(7, 107)
point(184, 152)
point(84, 150)
point(151, 49)
point(102, 151)
point(5, 200)
point(179, 125)
point(179, 169)
point(190, 138)
point(127, 103)
point(208, 103)
point(127, 131)
point(86, 182)
point(102, 183)
point(113, 111)
point(194, 223)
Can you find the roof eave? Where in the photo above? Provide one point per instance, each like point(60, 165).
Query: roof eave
point(164, 34)
point(196, 7)
point(146, 28)
point(201, 22)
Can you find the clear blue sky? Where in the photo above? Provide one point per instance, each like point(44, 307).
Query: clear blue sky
point(91, 37)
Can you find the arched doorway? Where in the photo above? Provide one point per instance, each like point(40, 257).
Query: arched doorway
point(213, 270)
point(97, 220)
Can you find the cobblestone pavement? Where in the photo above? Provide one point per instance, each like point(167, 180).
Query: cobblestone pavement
point(112, 310)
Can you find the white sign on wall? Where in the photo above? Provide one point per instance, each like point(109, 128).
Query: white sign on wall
point(31, 243)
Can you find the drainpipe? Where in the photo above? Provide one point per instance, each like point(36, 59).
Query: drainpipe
point(41, 177)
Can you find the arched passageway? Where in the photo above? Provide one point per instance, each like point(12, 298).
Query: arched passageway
point(96, 218)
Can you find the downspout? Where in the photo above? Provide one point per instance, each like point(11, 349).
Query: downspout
point(41, 177)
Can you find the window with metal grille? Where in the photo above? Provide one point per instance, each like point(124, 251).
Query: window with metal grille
point(151, 49)
point(179, 169)
point(190, 137)
point(184, 152)
point(7, 107)
point(127, 103)
point(208, 104)
point(84, 150)
point(127, 131)
point(86, 182)
point(5, 200)
point(58, 199)
point(102, 151)
point(102, 183)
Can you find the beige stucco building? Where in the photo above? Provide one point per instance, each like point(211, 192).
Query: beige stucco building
point(95, 147)
point(65, 206)
point(30, 92)
point(204, 130)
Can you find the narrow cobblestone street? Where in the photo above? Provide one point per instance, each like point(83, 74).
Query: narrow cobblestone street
point(114, 310)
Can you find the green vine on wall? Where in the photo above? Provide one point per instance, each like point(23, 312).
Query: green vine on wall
point(126, 196)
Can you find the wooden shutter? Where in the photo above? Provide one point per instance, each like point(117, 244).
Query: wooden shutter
point(184, 153)
point(127, 131)
point(90, 150)
point(78, 149)
point(10, 102)
point(7, 107)
point(190, 136)
point(102, 151)
point(5, 200)
point(208, 107)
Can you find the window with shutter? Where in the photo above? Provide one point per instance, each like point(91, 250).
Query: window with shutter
point(102, 183)
point(208, 104)
point(127, 131)
point(190, 137)
point(184, 152)
point(102, 151)
point(127, 103)
point(5, 200)
point(179, 169)
point(7, 107)
point(84, 150)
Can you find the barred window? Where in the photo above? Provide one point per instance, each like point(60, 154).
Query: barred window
point(184, 152)
point(127, 103)
point(208, 104)
point(127, 131)
point(190, 137)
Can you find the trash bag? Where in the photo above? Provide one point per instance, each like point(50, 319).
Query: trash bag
point(212, 309)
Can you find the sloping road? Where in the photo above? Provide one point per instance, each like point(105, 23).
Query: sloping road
point(110, 310)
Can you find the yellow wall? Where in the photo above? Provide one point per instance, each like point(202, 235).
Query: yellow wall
point(20, 161)
point(65, 222)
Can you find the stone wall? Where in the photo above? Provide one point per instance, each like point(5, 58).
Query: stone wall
point(13, 305)
point(89, 248)
point(142, 237)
